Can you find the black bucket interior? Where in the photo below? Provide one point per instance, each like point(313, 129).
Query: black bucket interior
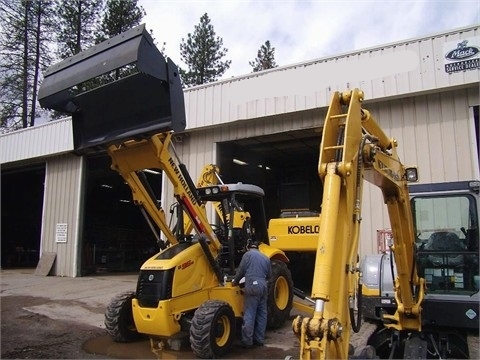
point(148, 101)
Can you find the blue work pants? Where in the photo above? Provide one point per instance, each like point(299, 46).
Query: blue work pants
point(255, 314)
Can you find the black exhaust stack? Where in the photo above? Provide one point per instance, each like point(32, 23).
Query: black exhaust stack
point(148, 101)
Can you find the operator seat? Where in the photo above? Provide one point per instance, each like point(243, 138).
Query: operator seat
point(448, 242)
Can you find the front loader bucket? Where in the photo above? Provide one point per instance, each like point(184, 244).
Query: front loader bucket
point(148, 101)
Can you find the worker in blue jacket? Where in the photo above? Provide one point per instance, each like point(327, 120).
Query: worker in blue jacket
point(257, 269)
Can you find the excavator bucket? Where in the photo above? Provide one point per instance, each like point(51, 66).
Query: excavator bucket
point(107, 108)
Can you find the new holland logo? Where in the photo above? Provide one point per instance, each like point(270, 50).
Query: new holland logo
point(465, 58)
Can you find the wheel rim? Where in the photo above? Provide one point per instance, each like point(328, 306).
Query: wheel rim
point(222, 331)
point(281, 292)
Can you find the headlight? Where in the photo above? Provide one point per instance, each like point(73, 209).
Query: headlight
point(411, 174)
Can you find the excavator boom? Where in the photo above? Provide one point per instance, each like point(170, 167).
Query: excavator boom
point(354, 148)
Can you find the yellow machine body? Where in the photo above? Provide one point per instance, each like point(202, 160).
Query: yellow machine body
point(353, 149)
point(193, 283)
point(126, 99)
point(294, 233)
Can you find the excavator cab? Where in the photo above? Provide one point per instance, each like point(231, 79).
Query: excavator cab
point(446, 222)
point(120, 89)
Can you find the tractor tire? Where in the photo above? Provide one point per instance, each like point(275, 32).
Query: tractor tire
point(212, 331)
point(280, 295)
point(119, 318)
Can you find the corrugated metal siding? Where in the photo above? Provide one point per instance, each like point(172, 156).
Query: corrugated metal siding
point(54, 137)
point(62, 203)
point(406, 89)
point(394, 70)
point(198, 148)
point(433, 132)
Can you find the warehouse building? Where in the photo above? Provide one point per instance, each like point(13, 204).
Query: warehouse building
point(262, 128)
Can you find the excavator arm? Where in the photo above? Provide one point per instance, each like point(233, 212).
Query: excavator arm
point(384, 169)
point(354, 149)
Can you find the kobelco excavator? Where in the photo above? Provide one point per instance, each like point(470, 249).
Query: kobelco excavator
point(126, 99)
point(353, 149)
point(425, 289)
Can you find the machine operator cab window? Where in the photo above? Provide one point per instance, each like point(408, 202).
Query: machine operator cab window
point(241, 217)
point(447, 243)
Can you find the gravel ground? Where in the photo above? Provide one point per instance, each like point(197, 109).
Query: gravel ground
point(62, 318)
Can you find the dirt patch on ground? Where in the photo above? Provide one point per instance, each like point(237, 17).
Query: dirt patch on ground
point(27, 335)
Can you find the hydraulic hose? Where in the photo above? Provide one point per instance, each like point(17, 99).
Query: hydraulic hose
point(356, 325)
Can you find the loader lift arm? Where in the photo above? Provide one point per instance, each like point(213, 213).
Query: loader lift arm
point(130, 158)
point(210, 175)
point(354, 148)
point(132, 117)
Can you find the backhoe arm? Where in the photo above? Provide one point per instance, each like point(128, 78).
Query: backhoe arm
point(208, 176)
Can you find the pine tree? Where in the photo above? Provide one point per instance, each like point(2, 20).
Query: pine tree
point(265, 58)
point(25, 34)
point(78, 22)
point(202, 52)
point(119, 16)
point(42, 31)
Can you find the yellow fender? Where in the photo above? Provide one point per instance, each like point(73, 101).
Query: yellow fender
point(273, 253)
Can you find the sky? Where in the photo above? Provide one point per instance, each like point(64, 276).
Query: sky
point(303, 30)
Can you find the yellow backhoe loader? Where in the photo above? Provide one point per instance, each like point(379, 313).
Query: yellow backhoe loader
point(127, 100)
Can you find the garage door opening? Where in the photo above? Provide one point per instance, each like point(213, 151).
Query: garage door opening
point(22, 203)
point(116, 236)
point(285, 166)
